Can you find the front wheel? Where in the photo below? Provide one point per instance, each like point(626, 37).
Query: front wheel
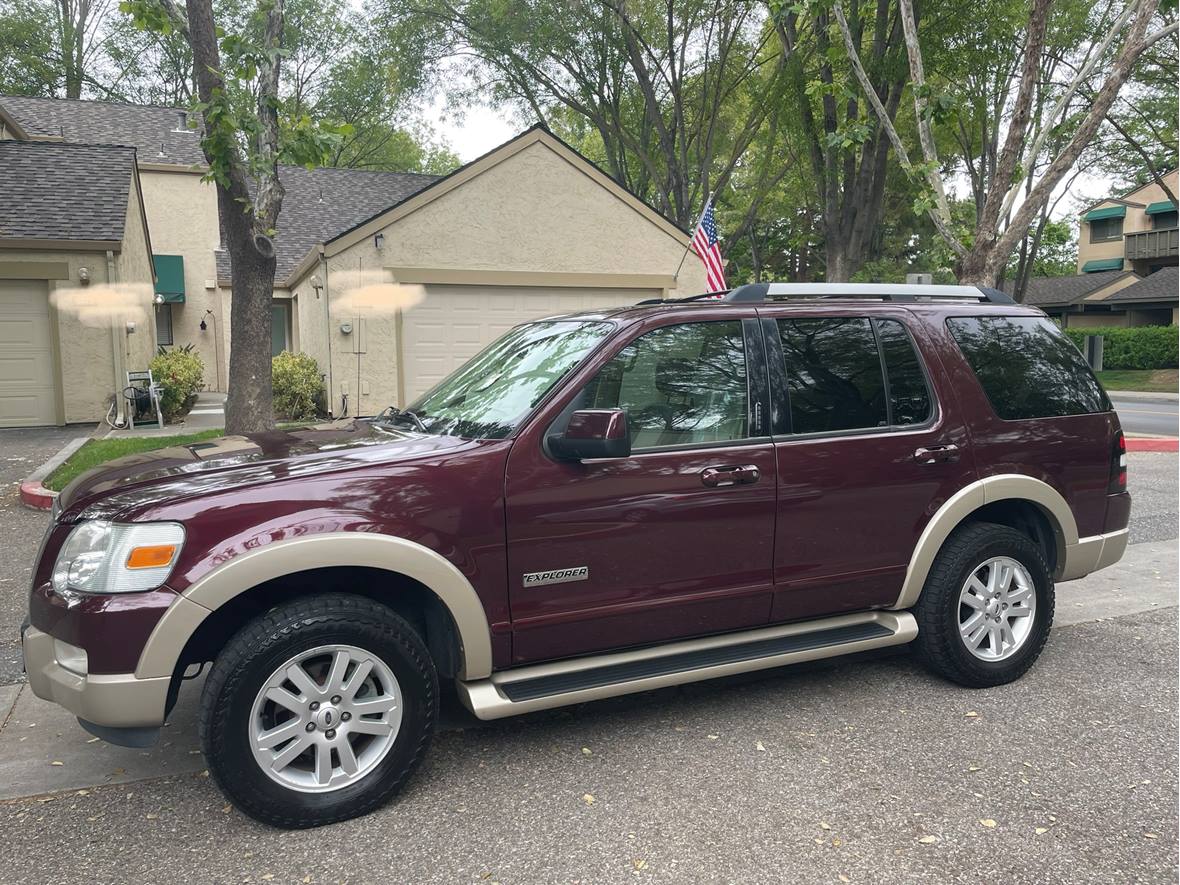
point(318, 711)
point(987, 607)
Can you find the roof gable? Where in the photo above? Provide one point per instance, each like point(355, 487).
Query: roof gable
point(68, 192)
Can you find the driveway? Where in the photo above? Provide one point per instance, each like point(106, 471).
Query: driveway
point(866, 770)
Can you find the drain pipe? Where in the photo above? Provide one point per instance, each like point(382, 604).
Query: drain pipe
point(117, 350)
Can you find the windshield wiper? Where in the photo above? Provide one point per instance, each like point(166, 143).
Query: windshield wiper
point(392, 414)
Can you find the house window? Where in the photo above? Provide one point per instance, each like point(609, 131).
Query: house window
point(1162, 220)
point(163, 324)
point(280, 327)
point(1103, 230)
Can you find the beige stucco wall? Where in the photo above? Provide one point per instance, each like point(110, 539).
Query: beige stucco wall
point(1136, 219)
point(1094, 320)
point(536, 212)
point(182, 217)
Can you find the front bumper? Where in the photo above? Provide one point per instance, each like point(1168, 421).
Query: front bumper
point(113, 700)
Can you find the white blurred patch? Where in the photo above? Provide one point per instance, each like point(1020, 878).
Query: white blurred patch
point(371, 295)
point(98, 306)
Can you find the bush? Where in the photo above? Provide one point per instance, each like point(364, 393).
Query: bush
point(298, 387)
point(1134, 347)
point(181, 373)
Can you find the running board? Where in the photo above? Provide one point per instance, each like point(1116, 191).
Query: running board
point(543, 686)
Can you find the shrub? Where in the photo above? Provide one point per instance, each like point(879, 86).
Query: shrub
point(1133, 347)
point(298, 387)
point(181, 373)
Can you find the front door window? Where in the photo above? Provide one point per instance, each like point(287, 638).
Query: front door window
point(680, 385)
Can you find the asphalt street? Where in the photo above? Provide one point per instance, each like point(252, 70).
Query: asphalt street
point(1157, 417)
point(864, 770)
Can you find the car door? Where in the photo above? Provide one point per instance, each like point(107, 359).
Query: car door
point(866, 452)
point(662, 544)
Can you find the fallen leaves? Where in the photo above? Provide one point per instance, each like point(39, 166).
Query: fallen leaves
point(987, 822)
point(639, 863)
point(760, 748)
point(56, 762)
point(586, 751)
point(587, 798)
point(970, 714)
point(928, 840)
point(1040, 831)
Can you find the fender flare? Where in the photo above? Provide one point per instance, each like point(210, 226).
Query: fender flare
point(282, 558)
point(1003, 487)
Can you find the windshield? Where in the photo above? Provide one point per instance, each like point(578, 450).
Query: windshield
point(491, 394)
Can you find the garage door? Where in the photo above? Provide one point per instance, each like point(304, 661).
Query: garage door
point(453, 323)
point(26, 356)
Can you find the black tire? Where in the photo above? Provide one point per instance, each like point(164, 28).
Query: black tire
point(260, 648)
point(939, 645)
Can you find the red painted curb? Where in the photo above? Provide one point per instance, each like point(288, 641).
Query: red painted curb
point(1152, 445)
point(35, 495)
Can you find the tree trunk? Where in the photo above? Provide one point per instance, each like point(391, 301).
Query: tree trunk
point(840, 265)
point(249, 406)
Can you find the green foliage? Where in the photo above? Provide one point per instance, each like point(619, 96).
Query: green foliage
point(181, 373)
point(1057, 255)
point(298, 387)
point(27, 49)
point(1134, 347)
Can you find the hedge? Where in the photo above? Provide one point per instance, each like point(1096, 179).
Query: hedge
point(1133, 347)
point(181, 374)
point(298, 387)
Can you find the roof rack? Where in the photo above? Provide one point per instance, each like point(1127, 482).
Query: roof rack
point(758, 293)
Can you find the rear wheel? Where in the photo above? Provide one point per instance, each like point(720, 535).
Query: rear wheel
point(987, 607)
point(318, 711)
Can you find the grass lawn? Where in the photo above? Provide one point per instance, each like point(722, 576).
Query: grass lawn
point(1153, 380)
point(99, 451)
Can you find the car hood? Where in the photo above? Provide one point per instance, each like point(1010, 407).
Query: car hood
point(215, 465)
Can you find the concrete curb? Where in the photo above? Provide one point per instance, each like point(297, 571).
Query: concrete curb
point(32, 492)
point(1158, 396)
point(1156, 444)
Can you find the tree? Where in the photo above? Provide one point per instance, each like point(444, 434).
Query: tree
point(27, 49)
point(847, 154)
point(674, 90)
point(246, 132)
point(1122, 38)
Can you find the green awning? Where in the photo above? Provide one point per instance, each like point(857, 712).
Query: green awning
point(170, 277)
point(1162, 206)
point(1102, 264)
point(1109, 212)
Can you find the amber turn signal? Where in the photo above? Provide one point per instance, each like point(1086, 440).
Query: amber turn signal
point(154, 556)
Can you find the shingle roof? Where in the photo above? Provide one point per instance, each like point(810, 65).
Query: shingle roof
point(321, 203)
point(1159, 286)
point(153, 131)
point(1060, 291)
point(59, 191)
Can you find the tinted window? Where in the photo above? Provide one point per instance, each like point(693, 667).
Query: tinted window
point(1104, 229)
point(679, 385)
point(833, 374)
point(909, 397)
point(1027, 367)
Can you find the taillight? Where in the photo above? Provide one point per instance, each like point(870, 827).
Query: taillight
point(1118, 464)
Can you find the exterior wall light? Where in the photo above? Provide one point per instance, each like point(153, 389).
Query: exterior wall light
point(379, 240)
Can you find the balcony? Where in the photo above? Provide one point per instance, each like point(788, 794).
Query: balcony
point(1145, 244)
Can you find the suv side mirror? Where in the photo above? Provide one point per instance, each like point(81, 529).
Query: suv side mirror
point(593, 433)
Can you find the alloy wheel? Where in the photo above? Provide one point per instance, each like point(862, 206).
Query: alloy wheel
point(997, 607)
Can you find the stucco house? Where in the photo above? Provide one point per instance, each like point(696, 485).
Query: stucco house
point(529, 229)
point(1127, 264)
point(75, 280)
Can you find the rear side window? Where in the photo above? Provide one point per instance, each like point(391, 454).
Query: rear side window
point(835, 379)
point(833, 375)
point(1027, 367)
point(909, 397)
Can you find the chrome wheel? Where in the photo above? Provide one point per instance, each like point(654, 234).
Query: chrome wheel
point(325, 718)
point(997, 607)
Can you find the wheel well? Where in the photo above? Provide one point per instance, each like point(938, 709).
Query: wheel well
point(1025, 517)
point(409, 598)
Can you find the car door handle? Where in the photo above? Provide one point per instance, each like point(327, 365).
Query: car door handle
point(730, 475)
point(937, 454)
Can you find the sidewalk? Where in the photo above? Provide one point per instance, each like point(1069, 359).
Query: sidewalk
point(1144, 395)
point(207, 414)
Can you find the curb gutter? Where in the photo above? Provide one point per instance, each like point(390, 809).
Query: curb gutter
point(32, 492)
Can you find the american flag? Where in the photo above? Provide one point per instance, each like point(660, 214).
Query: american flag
point(704, 243)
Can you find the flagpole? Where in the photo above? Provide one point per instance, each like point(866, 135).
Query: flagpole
point(680, 266)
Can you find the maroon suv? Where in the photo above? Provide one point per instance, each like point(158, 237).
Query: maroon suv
point(597, 504)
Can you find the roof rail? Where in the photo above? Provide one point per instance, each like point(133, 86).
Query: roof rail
point(753, 293)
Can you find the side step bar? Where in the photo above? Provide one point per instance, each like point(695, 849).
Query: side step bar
point(543, 686)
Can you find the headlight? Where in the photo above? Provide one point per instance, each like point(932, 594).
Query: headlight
point(106, 557)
